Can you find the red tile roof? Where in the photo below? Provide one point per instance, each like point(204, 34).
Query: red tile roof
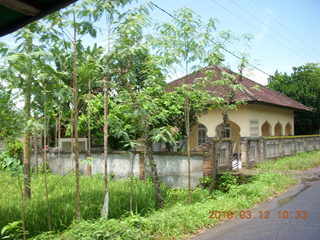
point(249, 94)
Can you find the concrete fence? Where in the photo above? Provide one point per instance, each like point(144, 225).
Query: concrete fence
point(173, 166)
point(255, 150)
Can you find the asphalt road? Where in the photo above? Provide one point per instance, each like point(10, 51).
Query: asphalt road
point(292, 224)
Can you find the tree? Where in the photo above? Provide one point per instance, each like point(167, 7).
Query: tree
point(186, 42)
point(20, 71)
point(10, 124)
point(302, 85)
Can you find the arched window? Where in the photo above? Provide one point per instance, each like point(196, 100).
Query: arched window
point(202, 134)
point(266, 129)
point(224, 132)
point(288, 130)
point(278, 129)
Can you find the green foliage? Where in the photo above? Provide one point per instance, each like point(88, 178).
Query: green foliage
point(12, 231)
point(179, 219)
point(10, 124)
point(301, 161)
point(14, 147)
point(205, 182)
point(62, 200)
point(226, 181)
point(302, 85)
point(180, 196)
point(9, 163)
point(10, 159)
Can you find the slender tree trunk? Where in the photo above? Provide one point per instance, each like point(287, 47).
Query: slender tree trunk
point(45, 162)
point(56, 133)
point(89, 168)
point(105, 209)
point(187, 122)
point(22, 209)
point(59, 138)
point(155, 178)
point(26, 146)
point(75, 120)
point(105, 131)
point(35, 152)
point(131, 157)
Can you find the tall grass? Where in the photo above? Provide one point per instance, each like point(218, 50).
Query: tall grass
point(179, 219)
point(62, 200)
point(301, 161)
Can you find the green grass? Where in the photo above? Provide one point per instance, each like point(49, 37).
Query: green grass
point(176, 220)
point(301, 161)
point(62, 200)
point(179, 219)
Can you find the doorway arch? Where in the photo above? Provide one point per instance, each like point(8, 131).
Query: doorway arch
point(278, 129)
point(288, 130)
point(266, 129)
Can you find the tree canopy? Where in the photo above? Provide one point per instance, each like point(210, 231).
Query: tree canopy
point(303, 85)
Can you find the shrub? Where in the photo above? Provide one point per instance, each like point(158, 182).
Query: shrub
point(14, 148)
point(9, 163)
point(225, 182)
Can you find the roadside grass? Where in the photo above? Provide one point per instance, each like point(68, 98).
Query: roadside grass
point(62, 200)
point(301, 161)
point(180, 218)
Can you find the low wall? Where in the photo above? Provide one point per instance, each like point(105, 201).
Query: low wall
point(255, 150)
point(172, 167)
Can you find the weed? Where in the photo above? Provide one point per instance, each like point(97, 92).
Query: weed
point(62, 199)
point(301, 161)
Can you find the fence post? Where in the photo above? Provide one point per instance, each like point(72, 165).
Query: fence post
point(141, 165)
point(264, 142)
point(295, 151)
point(281, 146)
point(305, 144)
point(244, 152)
point(229, 157)
point(258, 151)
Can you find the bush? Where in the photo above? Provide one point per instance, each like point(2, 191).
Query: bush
point(14, 148)
point(225, 182)
point(9, 163)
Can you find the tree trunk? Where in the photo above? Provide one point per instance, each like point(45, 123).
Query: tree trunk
point(89, 168)
point(35, 152)
point(26, 147)
point(45, 162)
point(75, 149)
point(155, 178)
point(56, 133)
point(105, 131)
point(59, 137)
point(187, 122)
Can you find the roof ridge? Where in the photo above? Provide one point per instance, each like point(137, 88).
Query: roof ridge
point(263, 94)
point(279, 93)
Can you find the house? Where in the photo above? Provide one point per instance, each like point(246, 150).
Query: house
point(266, 112)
